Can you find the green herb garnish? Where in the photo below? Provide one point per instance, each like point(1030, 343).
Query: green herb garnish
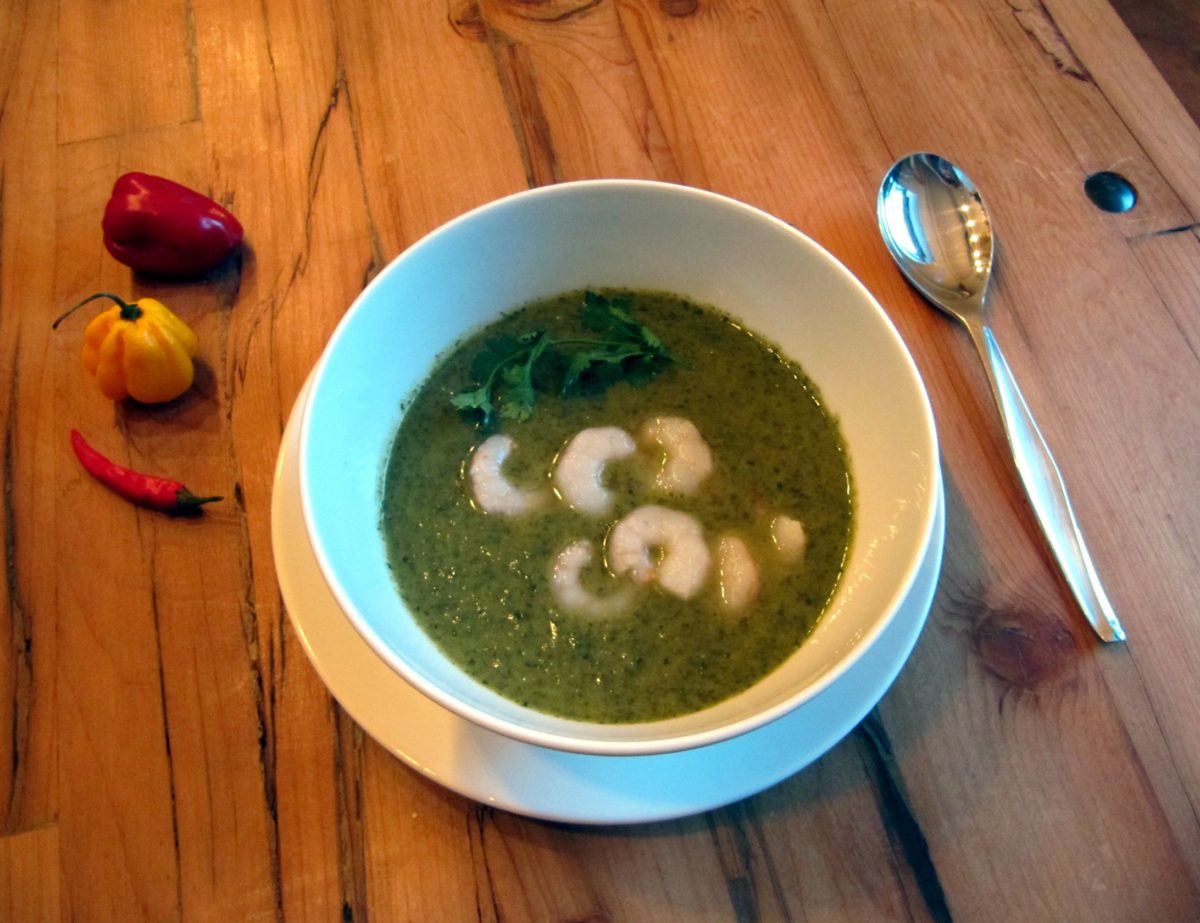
point(511, 370)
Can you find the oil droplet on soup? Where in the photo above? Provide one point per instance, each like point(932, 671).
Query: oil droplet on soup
point(483, 585)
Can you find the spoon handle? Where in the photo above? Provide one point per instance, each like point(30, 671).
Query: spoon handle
point(1046, 490)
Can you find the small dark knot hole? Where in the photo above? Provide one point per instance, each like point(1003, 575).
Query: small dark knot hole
point(1110, 191)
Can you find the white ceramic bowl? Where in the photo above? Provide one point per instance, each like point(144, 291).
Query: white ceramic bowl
point(640, 235)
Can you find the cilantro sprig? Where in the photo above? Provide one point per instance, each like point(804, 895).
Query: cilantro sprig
point(511, 370)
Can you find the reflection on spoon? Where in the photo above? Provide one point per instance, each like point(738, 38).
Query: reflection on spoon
point(937, 228)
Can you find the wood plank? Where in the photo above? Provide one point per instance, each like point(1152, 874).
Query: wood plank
point(1169, 33)
point(31, 877)
point(738, 134)
point(110, 694)
point(197, 648)
point(1128, 79)
point(124, 66)
point(111, 717)
point(285, 97)
point(813, 846)
point(224, 819)
point(576, 92)
point(1100, 139)
point(421, 853)
point(302, 774)
point(1164, 523)
point(28, 618)
point(430, 149)
point(618, 873)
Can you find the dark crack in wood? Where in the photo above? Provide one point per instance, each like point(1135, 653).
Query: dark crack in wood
point(20, 630)
point(352, 870)
point(1037, 22)
point(530, 125)
point(478, 818)
point(376, 259)
point(737, 861)
point(264, 682)
point(155, 618)
point(898, 817)
point(1166, 232)
point(548, 11)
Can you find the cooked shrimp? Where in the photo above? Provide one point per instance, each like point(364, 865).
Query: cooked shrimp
point(687, 460)
point(493, 491)
point(569, 592)
point(789, 538)
point(738, 573)
point(654, 543)
point(579, 473)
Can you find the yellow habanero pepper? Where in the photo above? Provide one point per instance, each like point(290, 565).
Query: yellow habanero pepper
point(139, 350)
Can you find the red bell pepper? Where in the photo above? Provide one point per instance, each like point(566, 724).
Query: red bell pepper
point(157, 226)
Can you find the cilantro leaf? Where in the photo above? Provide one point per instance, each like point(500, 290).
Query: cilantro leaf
point(480, 399)
point(590, 362)
point(612, 316)
point(508, 374)
point(519, 396)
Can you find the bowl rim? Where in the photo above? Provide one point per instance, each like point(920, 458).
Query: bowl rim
point(600, 745)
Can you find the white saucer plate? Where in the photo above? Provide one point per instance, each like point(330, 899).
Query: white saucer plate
point(552, 784)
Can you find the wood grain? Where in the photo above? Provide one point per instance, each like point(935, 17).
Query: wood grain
point(31, 877)
point(172, 753)
point(27, 658)
point(114, 83)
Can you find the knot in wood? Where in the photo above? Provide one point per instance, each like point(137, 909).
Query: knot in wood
point(1026, 648)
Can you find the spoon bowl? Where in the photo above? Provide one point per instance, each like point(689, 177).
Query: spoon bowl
point(938, 230)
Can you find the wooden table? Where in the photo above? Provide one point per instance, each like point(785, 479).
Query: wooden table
point(171, 753)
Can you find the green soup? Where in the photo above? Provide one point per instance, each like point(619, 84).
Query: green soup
point(479, 583)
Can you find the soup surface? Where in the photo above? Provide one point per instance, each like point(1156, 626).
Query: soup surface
point(481, 583)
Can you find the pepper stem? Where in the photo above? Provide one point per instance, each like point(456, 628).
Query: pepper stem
point(186, 500)
point(128, 311)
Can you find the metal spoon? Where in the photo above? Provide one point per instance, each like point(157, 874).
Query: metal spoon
point(936, 226)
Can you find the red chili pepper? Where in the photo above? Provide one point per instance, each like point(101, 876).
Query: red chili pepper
point(142, 489)
point(158, 226)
